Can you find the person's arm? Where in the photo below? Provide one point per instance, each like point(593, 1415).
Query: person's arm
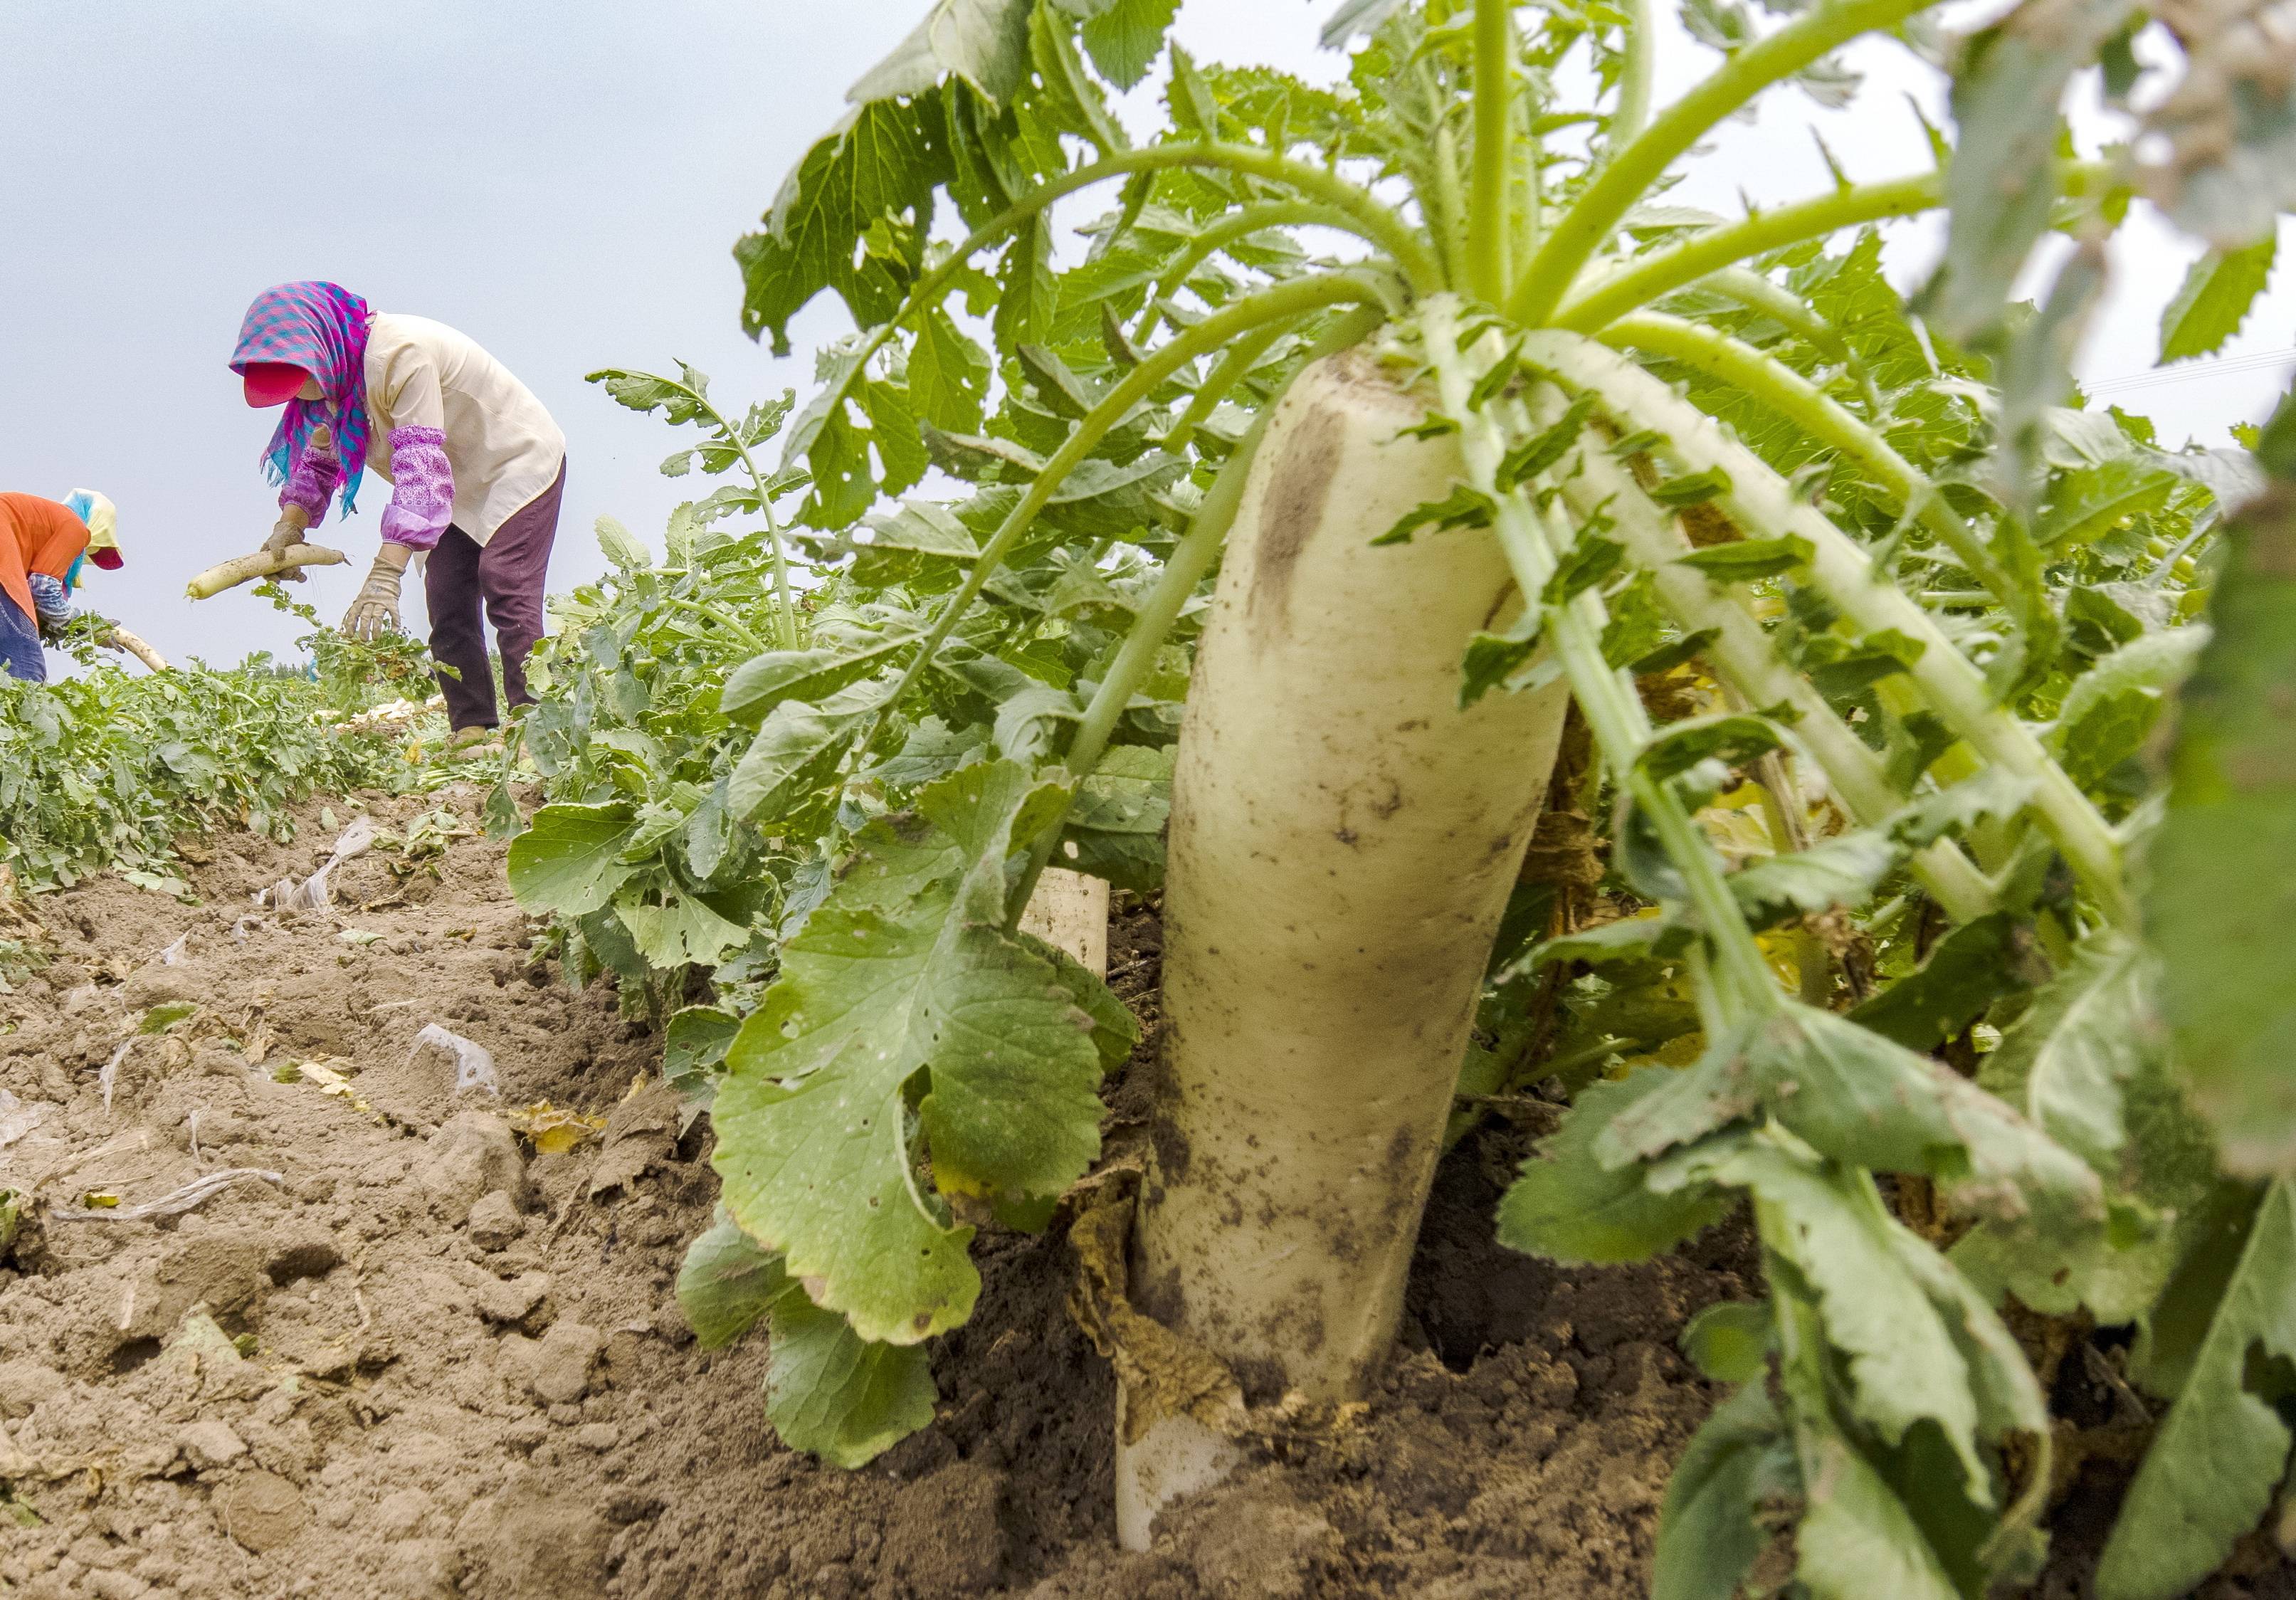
point(62, 540)
point(304, 499)
point(422, 490)
point(422, 478)
point(52, 607)
point(310, 487)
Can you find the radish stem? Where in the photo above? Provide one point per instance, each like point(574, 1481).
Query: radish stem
point(1450, 215)
point(1638, 64)
point(1293, 298)
point(1660, 273)
point(1818, 415)
point(1489, 224)
point(1756, 293)
point(1605, 694)
point(1343, 205)
point(1758, 498)
point(1745, 660)
point(1630, 174)
point(1234, 367)
point(1229, 230)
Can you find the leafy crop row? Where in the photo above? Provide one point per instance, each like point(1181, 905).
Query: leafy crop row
point(106, 769)
point(1871, 902)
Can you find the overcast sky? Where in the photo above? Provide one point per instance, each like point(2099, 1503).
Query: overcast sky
point(562, 182)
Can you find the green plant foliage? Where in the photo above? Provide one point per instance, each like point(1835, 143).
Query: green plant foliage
point(2224, 1445)
point(2215, 300)
point(1122, 36)
point(106, 769)
point(726, 1284)
point(569, 860)
point(1919, 1348)
point(826, 1389)
point(1727, 739)
point(694, 1044)
point(905, 970)
point(2220, 921)
point(1708, 1534)
point(841, 1396)
point(1749, 561)
point(1569, 1207)
point(1837, 540)
point(2068, 1060)
point(1969, 969)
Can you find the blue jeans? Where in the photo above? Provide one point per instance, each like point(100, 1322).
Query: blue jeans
point(19, 644)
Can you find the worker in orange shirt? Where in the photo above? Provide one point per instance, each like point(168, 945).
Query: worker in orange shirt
point(44, 544)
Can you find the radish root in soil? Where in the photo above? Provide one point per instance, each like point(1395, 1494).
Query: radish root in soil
point(1337, 867)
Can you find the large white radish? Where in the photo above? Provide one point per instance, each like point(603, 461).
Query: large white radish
point(1343, 841)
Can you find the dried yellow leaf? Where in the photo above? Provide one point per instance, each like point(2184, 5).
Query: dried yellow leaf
point(331, 1081)
point(554, 1131)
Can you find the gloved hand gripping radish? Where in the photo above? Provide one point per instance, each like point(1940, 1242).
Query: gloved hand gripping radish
point(477, 469)
point(285, 534)
point(295, 518)
point(283, 556)
point(44, 546)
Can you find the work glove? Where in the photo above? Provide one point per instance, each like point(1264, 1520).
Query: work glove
point(376, 608)
point(293, 519)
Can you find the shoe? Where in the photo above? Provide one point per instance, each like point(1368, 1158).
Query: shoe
point(471, 744)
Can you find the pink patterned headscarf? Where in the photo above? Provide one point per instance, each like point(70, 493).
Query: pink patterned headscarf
point(320, 328)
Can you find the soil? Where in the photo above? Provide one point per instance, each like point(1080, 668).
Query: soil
point(429, 1358)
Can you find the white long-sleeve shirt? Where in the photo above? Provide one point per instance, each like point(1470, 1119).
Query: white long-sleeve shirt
point(501, 442)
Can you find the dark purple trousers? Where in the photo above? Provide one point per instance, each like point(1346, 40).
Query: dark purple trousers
point(505, 579)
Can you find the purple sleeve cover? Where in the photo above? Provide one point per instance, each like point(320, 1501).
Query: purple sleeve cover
point(312, 484)
point(422, 489)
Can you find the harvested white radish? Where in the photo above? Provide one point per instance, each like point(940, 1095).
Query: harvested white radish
point(263, 563)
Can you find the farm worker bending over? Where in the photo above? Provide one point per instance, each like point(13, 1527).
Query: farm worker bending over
point(44, 544)
point(476, 467)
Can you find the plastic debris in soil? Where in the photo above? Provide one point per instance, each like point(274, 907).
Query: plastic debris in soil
point(474, 1063)
point(314, 893)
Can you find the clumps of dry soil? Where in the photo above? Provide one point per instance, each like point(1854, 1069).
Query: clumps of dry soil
point(432, 1361)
